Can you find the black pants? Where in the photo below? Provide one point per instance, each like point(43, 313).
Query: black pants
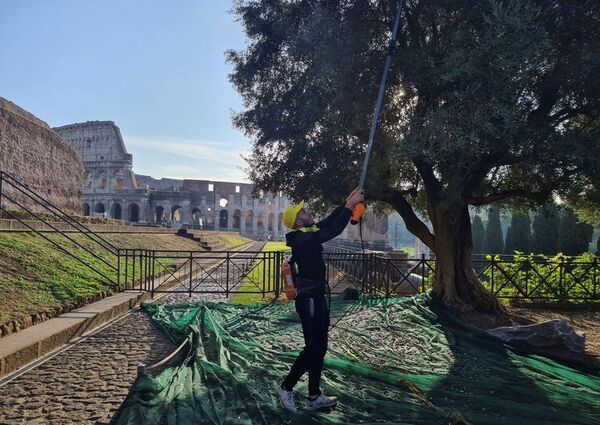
point(314, 315)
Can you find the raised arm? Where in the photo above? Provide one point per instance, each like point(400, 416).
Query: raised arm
point(339, 222)
point(336, 226)
point(327, 221)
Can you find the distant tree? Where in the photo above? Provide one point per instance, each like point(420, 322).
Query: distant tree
point(598, 246)
point(545, 230)
point(518, 237)
point(492, 242)
point(573, 236)
point(478, 234)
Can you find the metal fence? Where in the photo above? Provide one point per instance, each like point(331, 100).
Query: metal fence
point(258, 272)
point(203, 272)
point(532, 278)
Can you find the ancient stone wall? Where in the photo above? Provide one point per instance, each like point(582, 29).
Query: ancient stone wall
point(158, 184)
point(36, 156)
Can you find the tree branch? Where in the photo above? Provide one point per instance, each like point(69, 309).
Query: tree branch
point(413, 223)
point(432, 184)
point(540, 196)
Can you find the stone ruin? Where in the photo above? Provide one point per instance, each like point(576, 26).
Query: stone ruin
point(34, 154)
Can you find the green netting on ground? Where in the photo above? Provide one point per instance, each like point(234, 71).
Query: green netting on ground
point(403, 361)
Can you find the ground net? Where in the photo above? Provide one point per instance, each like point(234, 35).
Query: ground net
point(396, 361)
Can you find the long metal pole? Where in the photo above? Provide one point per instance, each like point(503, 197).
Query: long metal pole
point(386, 70)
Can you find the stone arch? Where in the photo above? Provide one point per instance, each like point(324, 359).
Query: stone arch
point(133, 213)
point(260, 222)
point(223, 219)
point(280, 222)
point(116, 211)
point(248, 220)
point(196, 216)
point(271, 221)
point(176, 213)
point(159, 214)
point(100, 208)
point(237, 218)
point(85, 209)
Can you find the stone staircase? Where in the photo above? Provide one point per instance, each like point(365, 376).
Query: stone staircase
point(208, 241)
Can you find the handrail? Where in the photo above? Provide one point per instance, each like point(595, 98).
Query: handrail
point(61, 248)
point(49, 207)
point(64, 234)
point(7, 179)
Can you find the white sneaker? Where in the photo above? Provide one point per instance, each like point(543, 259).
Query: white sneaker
point(286, 398)
point(321, 402)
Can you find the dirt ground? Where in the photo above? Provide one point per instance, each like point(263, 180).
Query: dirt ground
point(584, 318)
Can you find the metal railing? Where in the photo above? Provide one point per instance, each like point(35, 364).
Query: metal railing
point(532, 278)
point(258, 272)
point(203, 272)
point(19, 196)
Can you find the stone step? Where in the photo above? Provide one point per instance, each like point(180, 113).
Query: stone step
point(23, 347)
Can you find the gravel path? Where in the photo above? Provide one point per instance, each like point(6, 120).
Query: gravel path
point(87, 383)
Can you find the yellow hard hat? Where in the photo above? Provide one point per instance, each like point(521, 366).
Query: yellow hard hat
point(290, 213)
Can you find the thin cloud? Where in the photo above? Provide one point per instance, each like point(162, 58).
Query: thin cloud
point(208, 150)
point(182, 171)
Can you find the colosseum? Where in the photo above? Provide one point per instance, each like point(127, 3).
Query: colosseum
point(112, 189)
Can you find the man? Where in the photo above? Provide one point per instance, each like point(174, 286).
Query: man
point(311, 305)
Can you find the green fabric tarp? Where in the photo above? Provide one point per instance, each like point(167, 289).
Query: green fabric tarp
point(390, 361)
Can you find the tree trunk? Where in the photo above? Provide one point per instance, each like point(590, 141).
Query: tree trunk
point(456, 282)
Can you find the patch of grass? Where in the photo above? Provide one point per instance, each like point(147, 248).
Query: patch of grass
point(255, 278)
point(409, 249)
point(233, 240)
point(35, 276)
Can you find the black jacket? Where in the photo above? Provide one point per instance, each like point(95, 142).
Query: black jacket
point(307, 250)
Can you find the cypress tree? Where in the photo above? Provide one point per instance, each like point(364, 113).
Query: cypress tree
point(492, 241)
point(573, 236)
point(545, 230)
point(478, 234)
point(518, 237)
point(587, 232)
point(567, 233)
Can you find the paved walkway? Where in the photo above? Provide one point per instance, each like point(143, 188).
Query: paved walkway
point(87, 383)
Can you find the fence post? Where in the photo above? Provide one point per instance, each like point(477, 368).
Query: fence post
point(264, 269)
point(153, 274)
point(119, 268)
point(227, 276)
point(278, 275)
point(388, 275)
point(492, 278)
point(126, 268)
point(141, 269)
point(133, 271)
point(526, 277)
point(190, 260)
point(561, 282)
point(147, 274)
point(423, 271)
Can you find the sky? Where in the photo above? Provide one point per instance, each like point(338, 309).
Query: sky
point(155, 67)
